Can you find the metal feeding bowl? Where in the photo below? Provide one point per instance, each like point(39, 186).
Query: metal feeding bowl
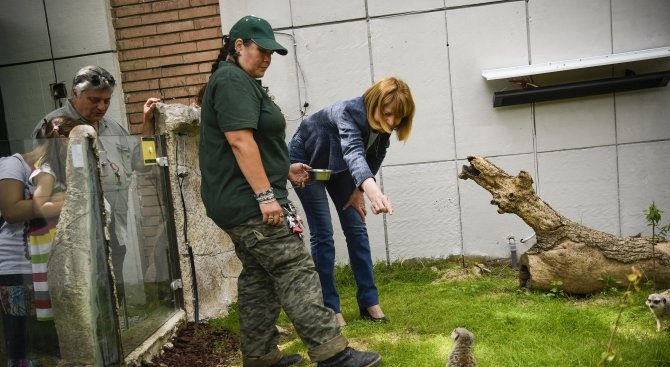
point(316, 174)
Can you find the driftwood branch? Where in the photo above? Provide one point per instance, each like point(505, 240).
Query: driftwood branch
point(578, 256)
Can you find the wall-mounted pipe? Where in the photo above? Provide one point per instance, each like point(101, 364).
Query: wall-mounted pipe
point(512, 249)
point(524, 240)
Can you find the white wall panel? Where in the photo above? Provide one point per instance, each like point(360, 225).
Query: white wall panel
point(575, 123)
point(425, 222)
point(644, 177)
point(284, 83)
point(582, 186)
point(395, 51)
point(568, 29)
point(385, 7)
point(276, 12)
point(80, 27)
point(499, 41)
point(640, 24)
point(455, 3)
point(642, 115)
point(306, 12)
point(26, 96)
point(375, 225)
point(485, 231)
point(335, 62)
point(23, 38)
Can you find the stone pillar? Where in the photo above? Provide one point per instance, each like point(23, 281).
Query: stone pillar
point(216, 265)
point(72, 266)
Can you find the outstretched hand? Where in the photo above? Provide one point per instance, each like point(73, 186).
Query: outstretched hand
point(150, 105)
point(298, 174)
point(379, 203)
point(149, 125)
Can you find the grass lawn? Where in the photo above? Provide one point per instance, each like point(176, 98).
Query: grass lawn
point(427, 299)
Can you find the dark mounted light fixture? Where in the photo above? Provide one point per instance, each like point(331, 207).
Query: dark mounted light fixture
point(58, 90)
point(581, 89)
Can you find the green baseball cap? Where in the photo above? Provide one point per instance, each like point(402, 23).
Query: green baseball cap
point(259, 31)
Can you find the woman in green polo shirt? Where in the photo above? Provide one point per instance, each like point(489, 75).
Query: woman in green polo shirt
point(245, 166)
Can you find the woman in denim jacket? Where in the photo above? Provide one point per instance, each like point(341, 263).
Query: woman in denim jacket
point(350, 138)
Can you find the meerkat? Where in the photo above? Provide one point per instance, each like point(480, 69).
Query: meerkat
point(659, 305)
point(461, 355)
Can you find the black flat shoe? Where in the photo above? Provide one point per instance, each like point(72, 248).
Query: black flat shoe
point(365, 315)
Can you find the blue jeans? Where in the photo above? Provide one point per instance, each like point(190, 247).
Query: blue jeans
point(315, 204)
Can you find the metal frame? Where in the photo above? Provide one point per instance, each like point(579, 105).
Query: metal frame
point(581, 89)
point(586, 62)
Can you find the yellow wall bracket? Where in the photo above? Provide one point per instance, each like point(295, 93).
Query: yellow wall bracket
point(149, 150)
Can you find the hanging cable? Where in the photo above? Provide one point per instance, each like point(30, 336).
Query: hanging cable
point(189, 249)
point(301, 77)
point(51, 50)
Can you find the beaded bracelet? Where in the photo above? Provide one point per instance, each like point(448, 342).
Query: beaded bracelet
point(266, 195)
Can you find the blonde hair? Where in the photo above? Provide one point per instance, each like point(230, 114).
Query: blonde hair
point(390, 91)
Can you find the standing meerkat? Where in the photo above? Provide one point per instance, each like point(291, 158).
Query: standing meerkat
point(461, 355)
point(659, 305)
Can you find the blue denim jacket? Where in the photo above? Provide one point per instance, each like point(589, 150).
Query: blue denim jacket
point(336, 138)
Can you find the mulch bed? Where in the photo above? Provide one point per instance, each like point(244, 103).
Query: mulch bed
point(199, 345)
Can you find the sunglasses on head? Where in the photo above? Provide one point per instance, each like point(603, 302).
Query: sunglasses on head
point(95, 79)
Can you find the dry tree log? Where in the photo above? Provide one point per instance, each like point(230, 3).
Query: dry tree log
point(578, 256)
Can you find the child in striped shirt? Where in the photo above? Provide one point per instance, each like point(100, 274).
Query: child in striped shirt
point(48, 178)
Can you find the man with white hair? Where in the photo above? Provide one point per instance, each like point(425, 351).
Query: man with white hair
point(92, 89)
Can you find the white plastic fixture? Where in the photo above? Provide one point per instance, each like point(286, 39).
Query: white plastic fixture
point(586, 62)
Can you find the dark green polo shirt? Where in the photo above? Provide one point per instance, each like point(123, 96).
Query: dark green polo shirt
point(232, 101)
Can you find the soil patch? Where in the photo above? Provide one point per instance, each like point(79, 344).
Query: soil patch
point(199, 345)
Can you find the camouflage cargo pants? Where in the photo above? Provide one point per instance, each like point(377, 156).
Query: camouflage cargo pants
point(278, 272)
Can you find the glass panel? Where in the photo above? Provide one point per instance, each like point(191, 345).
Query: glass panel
point(86, 324)
point(54, 280)
point(146, 298)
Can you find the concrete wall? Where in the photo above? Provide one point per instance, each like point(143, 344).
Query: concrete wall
point(153, 49)
point(47, 42)
point(598, 160)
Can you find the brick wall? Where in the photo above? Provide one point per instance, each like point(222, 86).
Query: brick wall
point(166, 49)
